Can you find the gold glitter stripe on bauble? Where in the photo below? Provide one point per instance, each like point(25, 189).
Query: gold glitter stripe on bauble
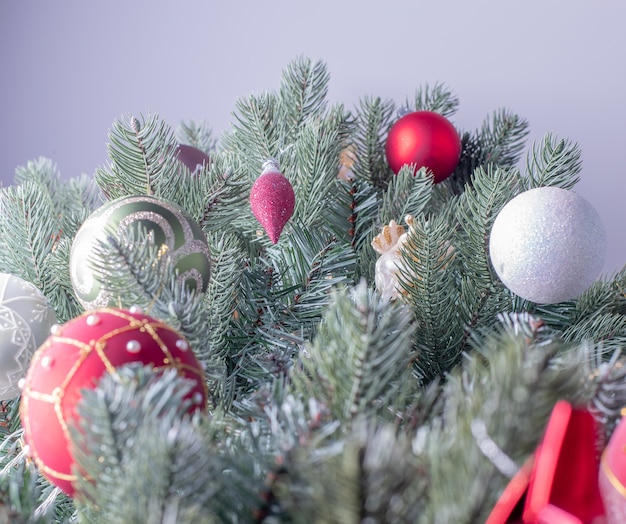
point(615, 482)
point(33, 453)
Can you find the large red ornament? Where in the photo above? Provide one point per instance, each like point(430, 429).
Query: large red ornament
point(74, 358)
point(612, 477)
point(272, 200)
point(562, 486)
point(425, 139)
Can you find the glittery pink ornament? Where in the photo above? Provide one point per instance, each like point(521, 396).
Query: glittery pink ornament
point(272, 200)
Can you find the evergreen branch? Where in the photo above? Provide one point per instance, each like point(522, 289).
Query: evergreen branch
point(373, 119)
point(198, 135)
point(135, 272)
point(502, 138)
point(24, 498)
point(215, 198)
point(471, 158)
point(372, 475)
point(509, 377)
point(142, 156)
point(606, 385)
point(352, 219)
point(142, 477)
point(227, 261)
point(125, 262)
point(42, 172)
point(302, 95)
point(406, 194)
point(437, 98)
point(39, 217)
point(608, 329)
point(359, 360)
point(476, 210)
point(427, 279)
point(29, 228)
point(254, 131)
point(314, 174)
point(314, 263)
point(553, 162)
point(483, 295)
point(281, 300)
point(62, 296)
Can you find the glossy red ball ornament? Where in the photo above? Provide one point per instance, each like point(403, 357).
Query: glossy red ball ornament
point(74, 358)
point(424, 139)
point(272, 200)
point(192, 157)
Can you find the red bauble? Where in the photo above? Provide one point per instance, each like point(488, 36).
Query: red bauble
point(74, 358)
point(192, 157)
point(272, 200)
point(425, 139)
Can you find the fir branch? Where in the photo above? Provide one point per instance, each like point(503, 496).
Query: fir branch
point(476, 210)
point(315, 263)
point(471, 158)
point(198, 135)
point(254, 131)
point(21, 495)
point(372, 475)
point(215, 198)
point(502, 138)
point(227, 262)
point(406, 194)
point(42, 172)
point(373, 119)
point(39, 219)
point(427, 279)
point(29, 229)
point(142, 154)
point(358, 363)
point(154, 464)
point(606, 328)
point(606, 387)
point(352, 219)
point(315, 169)
point(515, 373)
point(302, 95)
point(553, 162)
point(62, 296)
point(437, 98)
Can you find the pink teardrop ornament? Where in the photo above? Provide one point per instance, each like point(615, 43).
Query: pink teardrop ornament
point(272, 200)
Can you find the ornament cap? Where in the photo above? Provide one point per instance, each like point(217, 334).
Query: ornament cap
point(271, 165)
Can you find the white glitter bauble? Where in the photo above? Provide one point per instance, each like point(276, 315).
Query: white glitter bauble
point(25, 322)
point(548, 245)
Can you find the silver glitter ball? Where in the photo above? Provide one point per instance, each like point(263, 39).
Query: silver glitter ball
point(548, 245)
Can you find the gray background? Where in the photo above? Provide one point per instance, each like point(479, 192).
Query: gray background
point(69, 68)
